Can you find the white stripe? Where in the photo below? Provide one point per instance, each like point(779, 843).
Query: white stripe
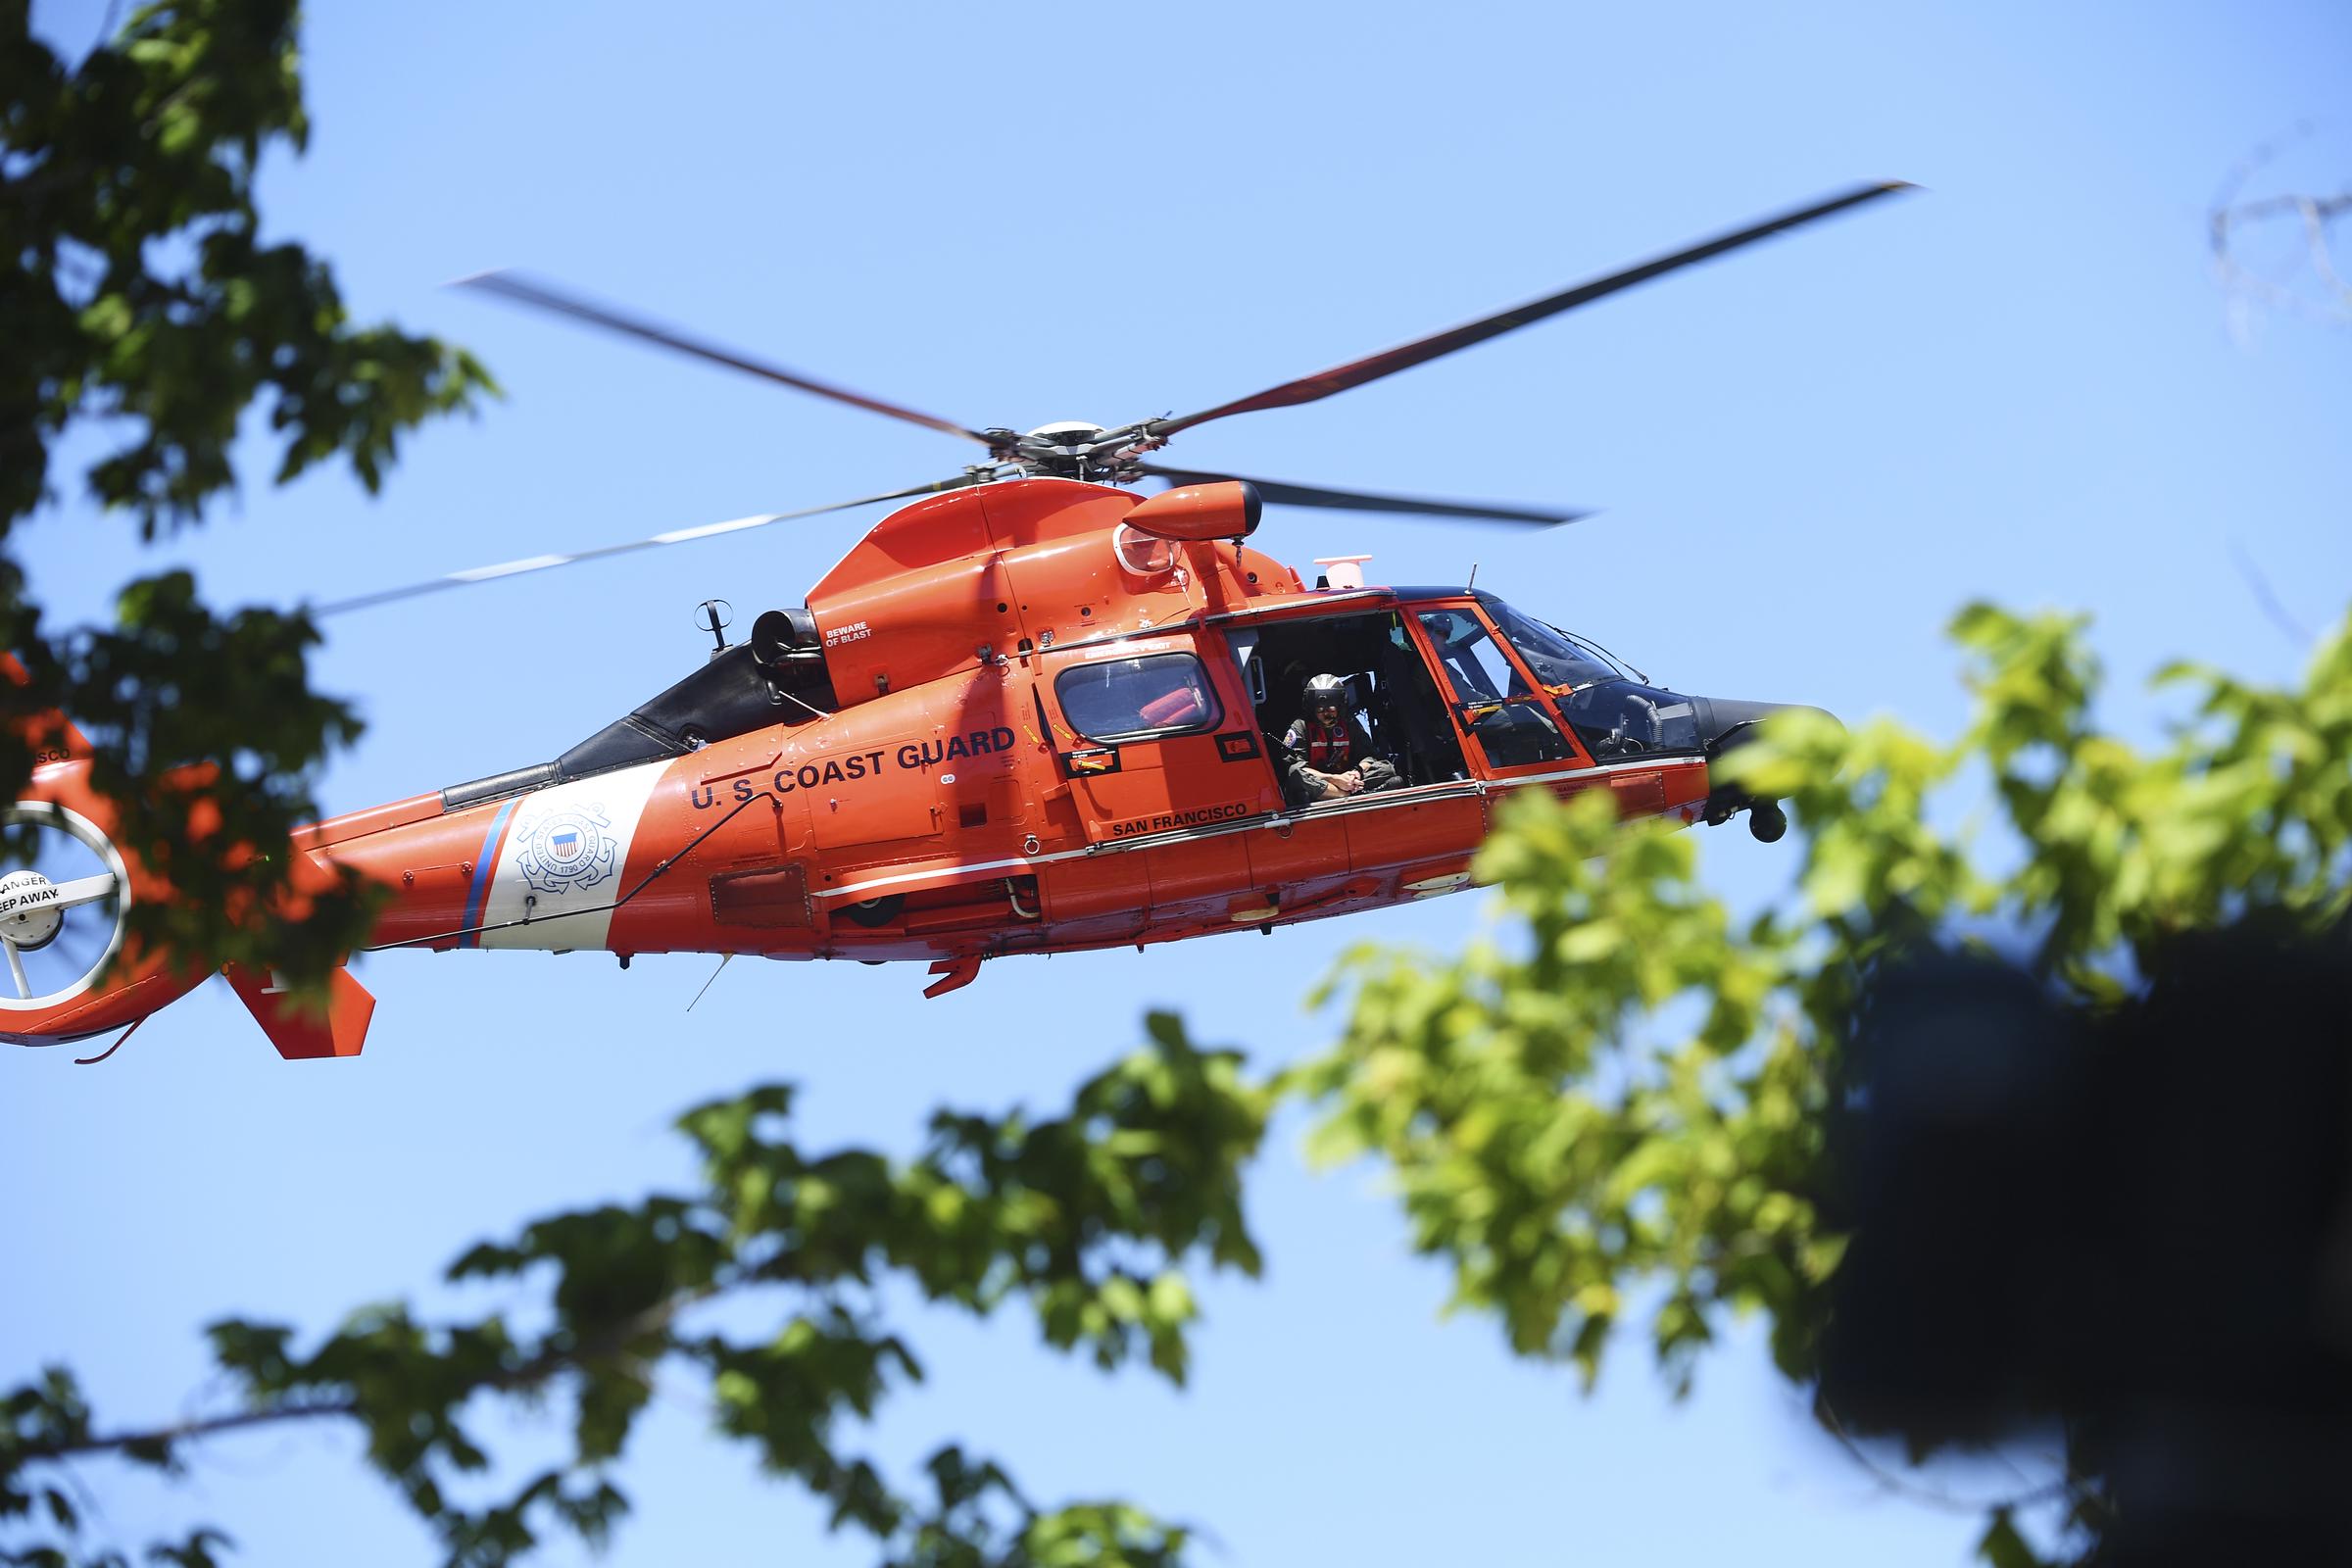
point(532, 907)
point(678, 536)
point(967, 869)
point(1384, 801)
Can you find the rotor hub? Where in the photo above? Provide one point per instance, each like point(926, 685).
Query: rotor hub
point(30, 913)
point(1076, 449)
point(63, 917)
point(1070, 434)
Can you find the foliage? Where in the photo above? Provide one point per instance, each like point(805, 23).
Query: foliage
point(1635, 1088)
point(1628, 1093)
point(1089, 1219)
point(145, 310)
point(1629, 1096)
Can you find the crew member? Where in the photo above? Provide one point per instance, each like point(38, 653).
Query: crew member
point(1326, 754)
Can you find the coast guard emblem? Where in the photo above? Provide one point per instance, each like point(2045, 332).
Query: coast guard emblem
point(567, 848)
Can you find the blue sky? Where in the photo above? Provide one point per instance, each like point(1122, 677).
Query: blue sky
point(2021, 383)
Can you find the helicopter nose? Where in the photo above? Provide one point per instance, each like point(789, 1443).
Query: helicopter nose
point(1725, 723)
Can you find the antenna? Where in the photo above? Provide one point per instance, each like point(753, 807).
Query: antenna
point(714, 974)
point(714, 616)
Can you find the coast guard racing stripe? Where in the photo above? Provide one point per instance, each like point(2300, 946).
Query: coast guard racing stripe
point(483, 864)
point(559, 872)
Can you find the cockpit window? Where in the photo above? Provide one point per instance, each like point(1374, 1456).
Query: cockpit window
point(1511, 725)
point(1556, 658)
point(1612, 707)
point(1477, 667)
point(1114, 699)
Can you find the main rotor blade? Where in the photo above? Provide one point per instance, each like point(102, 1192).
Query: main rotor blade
point(676, 536)
point(529, 291)
point(1302, 495)
point(1341, 377)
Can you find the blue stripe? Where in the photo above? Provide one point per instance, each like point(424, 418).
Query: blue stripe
point(483, 864)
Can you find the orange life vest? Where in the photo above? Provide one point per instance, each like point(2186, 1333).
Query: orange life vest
point(1326, 749)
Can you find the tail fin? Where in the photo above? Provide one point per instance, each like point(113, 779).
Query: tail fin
point(60, 802)
point(304, 1033)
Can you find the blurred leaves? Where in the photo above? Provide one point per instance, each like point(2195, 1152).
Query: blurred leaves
point(1537, 1147)
point(1625, 1089)
point(1623, 1094)
point(143, 307)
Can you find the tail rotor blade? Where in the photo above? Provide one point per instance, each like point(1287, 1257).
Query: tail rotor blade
point(676, 536)
point(1300, 495)
point(78, 950)
point(525, 290)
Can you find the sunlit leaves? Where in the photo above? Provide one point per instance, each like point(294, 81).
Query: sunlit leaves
point(1620, 1093)
point(141, 307)
point(136, 288)
point(2249, 807)
point(1538, 1141)
point(979, 1519)
point(1151, 1152)
point(207, 735)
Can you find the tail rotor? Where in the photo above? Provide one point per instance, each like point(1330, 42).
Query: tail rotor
point(63, 912)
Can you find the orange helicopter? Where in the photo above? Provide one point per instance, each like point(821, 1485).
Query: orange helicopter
point(1030, 712)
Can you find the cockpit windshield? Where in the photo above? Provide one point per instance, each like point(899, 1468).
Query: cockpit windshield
point(1555, 658)
point(1613, 709)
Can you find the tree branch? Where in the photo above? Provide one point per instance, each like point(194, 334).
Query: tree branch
point(181, 1432)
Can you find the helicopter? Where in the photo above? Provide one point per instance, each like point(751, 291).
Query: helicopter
point(1030, 711)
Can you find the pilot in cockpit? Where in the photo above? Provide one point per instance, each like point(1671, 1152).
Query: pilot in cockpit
point(1326, 754)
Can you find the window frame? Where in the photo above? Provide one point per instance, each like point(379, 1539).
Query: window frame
point(1530, 694)
point(1204, 680)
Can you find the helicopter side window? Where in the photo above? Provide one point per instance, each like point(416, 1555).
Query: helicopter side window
point(1121, 698)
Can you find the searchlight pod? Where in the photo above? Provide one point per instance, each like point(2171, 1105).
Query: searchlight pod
point(1199, 513)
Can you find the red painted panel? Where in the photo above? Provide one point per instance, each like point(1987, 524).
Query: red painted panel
point(1200, 879)
point(1310, 848)
point(1394, 836)
point(1095, 898)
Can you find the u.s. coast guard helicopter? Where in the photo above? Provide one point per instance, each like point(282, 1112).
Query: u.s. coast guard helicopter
point(1031, 711)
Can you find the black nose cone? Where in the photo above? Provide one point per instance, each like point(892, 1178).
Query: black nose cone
point(1725, 721)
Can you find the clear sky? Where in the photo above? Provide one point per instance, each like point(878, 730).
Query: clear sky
point(2023, 383)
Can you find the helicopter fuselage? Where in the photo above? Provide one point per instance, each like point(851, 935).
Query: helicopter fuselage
point(1066, 735)
point(1039, 715)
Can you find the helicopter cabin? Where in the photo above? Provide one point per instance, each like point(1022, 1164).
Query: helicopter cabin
point(1155, 663)
point(1175, 747)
